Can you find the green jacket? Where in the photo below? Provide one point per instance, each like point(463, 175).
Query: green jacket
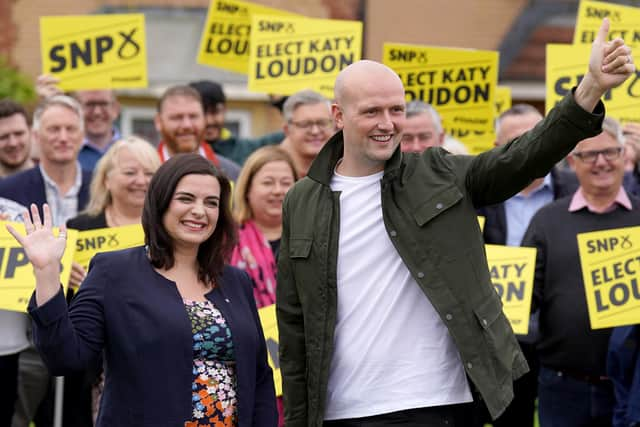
point(238, 149)
point(428, 207)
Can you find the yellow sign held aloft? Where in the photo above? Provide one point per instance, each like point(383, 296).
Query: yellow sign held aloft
point(511, 270)
point(289, 54)
point(567, 65)
point(17, 281)
point(459, 83)
point(227, 31)
point(95, 51)
point(624, 22)
point(270, 327)
point(91, 242)
point(610, 262)
point(478, 141)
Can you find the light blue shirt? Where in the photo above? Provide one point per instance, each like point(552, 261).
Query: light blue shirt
point(90, 154)
point(63, 206)
point(519, 210)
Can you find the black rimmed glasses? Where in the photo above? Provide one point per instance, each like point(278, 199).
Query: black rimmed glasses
point(591, 156)
point(309, 124)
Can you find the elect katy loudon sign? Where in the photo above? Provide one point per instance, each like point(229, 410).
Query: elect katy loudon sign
point(610, 263)
point(459, 83)
point(289, 54)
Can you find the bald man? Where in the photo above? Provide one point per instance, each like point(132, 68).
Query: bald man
point(384, 301)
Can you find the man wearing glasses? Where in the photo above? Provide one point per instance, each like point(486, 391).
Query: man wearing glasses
point(101, 110)
point(573, 387)
point(308, 126)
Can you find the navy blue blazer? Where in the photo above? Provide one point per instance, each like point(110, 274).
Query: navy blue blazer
point(27, 187)
point(138, 318)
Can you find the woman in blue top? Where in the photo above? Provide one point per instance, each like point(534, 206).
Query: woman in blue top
point(182, 341)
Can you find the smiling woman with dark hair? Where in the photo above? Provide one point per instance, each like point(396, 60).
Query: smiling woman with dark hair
point(180, 332)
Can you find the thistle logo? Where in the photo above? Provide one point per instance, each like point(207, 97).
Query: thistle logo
point(92, 50)
point(609, 244)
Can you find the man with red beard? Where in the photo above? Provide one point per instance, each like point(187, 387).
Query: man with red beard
point(307, 128)
point(181, 123)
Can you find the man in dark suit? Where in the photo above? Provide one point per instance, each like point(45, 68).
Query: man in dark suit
point(58, 180)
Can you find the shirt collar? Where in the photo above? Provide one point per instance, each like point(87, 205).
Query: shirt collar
point(578, 201)
point(75, 188)
point(203, 149)
point(322, 168)
point(547, 184)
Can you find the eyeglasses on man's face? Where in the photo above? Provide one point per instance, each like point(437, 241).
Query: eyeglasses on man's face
point(309, 124)
point(96, 105)
point(591, 156)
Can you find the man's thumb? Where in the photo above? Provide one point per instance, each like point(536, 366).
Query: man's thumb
point(601, 38)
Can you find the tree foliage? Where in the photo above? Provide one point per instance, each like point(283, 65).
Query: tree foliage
point(15, 84)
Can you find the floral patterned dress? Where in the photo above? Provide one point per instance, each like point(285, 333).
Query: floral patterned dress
point(214, 398)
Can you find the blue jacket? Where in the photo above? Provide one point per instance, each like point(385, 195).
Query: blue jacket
point(138, 318)
point(28, 187)
point(623, 367)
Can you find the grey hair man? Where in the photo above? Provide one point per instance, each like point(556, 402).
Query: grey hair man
point(423, 129)
point(308, 126)
point(100, 109)
point(572, 355)
point(59, 181)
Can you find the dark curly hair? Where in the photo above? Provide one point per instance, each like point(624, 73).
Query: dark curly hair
point(216, 250)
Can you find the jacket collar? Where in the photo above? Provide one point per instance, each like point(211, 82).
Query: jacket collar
point(322, 168)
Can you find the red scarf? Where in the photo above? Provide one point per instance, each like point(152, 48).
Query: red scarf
point(204, 150)
point(253, 254)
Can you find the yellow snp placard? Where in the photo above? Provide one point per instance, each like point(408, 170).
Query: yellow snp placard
point(624, 22)
point(270, 327)
point(511, 270)
point(226, 34)
point(459, 83)
point(95, 51)
point(478, 141)
point(91, 242)
point(17, 281)
point(289, 54)
point(610, 262)
point(566, 66)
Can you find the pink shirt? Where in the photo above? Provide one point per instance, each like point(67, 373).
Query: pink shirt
point(578, 202)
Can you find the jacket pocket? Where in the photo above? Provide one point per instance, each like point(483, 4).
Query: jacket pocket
point(501, 343)
point(437, 204)
point(488, 312)
point(300, 247)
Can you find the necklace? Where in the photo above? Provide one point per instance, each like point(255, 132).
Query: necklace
point(113, 220)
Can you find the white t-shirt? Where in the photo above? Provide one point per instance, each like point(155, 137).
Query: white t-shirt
point(391, 349)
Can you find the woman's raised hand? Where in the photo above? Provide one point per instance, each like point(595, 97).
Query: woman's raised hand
point(43, 249)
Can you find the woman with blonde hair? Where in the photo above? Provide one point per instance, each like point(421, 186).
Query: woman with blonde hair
point(119, 185)
point(117, 193)
point(264, 180)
